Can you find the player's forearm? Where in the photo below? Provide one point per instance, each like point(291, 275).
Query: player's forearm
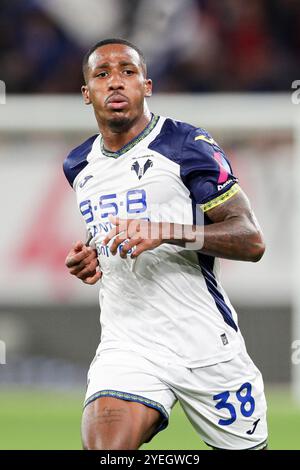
point(236, 238)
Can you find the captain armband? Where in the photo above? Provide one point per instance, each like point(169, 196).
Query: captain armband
point(234, 189)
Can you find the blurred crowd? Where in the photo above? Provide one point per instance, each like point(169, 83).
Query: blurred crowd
point(191, 45)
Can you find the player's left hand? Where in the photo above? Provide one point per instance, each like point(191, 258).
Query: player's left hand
point(137, 235)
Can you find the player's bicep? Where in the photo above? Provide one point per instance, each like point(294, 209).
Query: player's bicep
point(235, 206)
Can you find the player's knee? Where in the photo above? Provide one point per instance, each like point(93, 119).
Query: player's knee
point(117, 441)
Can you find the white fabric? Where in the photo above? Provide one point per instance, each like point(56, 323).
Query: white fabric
point(159, 304)
point(162, 383)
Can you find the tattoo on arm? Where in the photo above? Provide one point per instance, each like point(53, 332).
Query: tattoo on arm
point(234, 232)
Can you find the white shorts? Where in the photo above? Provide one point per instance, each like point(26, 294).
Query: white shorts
point(224, 402)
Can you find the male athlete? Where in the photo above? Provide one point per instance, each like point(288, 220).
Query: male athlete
point(168, 329)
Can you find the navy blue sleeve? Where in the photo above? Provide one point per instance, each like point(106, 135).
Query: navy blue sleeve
point(205, 169)
point(76, 161)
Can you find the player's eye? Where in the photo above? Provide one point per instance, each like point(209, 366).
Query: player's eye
point(128, 72)
point(102, 74)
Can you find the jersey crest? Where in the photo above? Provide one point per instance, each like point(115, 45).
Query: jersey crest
point(141, 170)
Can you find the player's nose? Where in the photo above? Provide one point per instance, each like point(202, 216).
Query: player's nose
point(115, 82)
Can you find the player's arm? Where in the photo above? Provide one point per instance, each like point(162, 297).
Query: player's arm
point(206, 172)
point(234, 233)
point(82, 262)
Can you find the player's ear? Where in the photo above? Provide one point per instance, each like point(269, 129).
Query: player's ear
point(85, 94)
point(148, 87)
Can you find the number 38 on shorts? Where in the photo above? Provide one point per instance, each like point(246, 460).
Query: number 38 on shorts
point(243, 395)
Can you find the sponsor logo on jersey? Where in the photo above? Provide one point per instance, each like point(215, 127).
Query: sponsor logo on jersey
point(141, 170)
point(221, 186)
point(85, 179)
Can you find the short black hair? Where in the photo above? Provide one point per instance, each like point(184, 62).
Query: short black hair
point(105, 42)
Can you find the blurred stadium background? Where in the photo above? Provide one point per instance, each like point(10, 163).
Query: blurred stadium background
point(227, 66)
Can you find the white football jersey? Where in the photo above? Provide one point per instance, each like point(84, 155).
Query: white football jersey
point(168, 302)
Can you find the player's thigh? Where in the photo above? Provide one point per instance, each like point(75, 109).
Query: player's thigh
point(125, 397)
point(110, 423)
point(226, 404)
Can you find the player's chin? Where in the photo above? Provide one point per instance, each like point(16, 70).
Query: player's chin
point(119, 121)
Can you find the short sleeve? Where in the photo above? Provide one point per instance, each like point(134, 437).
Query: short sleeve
point(206, 171)
point(76, 161)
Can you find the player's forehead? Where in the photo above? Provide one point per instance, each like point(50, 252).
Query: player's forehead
point(113, 54)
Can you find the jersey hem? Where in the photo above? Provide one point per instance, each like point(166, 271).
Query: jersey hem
point(261, 446)
point(152, 355)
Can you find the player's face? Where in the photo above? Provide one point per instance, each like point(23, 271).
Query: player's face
point(116, 85)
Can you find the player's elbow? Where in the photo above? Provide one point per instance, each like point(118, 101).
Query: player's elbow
point(256, 247)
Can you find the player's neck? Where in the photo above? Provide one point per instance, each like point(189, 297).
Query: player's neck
point(114, 141)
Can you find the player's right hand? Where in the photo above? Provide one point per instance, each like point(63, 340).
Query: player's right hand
point(83, 263)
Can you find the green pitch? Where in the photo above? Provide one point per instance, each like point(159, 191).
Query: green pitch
point(44, 420)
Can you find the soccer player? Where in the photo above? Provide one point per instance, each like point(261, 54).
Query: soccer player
point(168, 330)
